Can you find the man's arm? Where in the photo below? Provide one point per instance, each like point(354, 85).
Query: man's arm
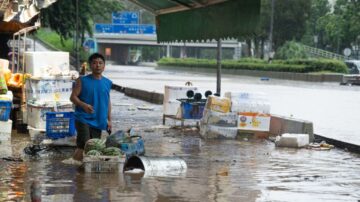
point(74, 98)
point(109, 116)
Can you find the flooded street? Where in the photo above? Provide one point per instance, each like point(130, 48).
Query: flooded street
point(331, 107)
point(221, 170)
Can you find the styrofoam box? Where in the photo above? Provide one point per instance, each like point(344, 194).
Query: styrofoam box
point(44, 63)
point(4, 64)
point(49, 88)
point(171, 107)
point(292, 140)
point(37, 113)
point(7, 97)
point(250, 106)
point(177, 92)
point(211, 131)
point(5, 130)
point(220, 119)
point(36, 135)
point(254, 121)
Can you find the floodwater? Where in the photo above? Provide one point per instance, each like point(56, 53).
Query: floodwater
point(333, 109)
point(222, 170)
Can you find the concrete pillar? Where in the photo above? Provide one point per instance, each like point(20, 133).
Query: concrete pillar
point(168, 51)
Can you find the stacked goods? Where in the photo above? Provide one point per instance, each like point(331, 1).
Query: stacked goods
point(172, 93)
point(6, 99)
point(217, 120)
point(47, 63)
point(48, 90)
point(102, 155)
point(253, 110)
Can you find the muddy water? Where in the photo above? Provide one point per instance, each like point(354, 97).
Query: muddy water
point(222, 170)
point(331, 107)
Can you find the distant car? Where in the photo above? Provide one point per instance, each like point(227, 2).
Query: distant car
point(353, 66)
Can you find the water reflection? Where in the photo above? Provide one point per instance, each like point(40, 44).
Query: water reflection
point(226, 170)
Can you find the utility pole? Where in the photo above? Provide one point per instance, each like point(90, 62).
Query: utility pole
point(218, 62)
point(77, 63)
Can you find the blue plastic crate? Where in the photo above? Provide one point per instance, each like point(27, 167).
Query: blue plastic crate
point(192, 110)
point(134, 148)
point(60, 124)
point(5, 109)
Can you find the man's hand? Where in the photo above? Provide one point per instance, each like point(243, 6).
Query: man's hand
point(109, 127)
point(88, 108)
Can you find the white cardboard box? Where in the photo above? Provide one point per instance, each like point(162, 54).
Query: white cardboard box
point(45, 63)
point(254, 121)
point(5, 130)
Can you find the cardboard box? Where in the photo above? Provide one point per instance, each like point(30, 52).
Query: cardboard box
point(218, 104)
point(254, 121)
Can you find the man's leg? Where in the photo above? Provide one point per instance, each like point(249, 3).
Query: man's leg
point(83, 135)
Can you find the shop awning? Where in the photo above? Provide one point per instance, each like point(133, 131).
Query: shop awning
point(198, 20)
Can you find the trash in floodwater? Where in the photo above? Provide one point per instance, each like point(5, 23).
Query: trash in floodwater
point(35, 149)
point(157, 166)
point(191, 143)
point(322, 146)
point(122, 104)
point(134, 171)
point(264, 78)
point(71, 161)
point(145, 107)
point(15, 159)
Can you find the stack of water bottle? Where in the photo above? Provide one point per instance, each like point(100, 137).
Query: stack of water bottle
point(252, 109)
point(48, 107)
point(236, 111)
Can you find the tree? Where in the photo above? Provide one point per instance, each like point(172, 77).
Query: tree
point(61, 16)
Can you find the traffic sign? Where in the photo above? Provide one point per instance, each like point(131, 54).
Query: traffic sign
point(347, 51)
point(125, 17)
point(104, 28)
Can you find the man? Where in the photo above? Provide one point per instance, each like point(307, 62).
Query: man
point(91, 96)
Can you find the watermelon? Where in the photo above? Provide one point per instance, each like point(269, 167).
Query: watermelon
point(94, 144)
point(94, 153)
point(112, 151)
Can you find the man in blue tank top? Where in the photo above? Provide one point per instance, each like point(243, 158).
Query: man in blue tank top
point(91, 96)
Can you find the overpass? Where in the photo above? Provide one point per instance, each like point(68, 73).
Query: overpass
point(116, 46)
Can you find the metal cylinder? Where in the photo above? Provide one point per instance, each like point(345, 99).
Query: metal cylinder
point(157, 166)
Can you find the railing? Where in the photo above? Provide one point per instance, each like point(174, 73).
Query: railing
point(316, 52)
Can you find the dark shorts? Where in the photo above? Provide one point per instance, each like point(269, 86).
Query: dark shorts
point(84, 133)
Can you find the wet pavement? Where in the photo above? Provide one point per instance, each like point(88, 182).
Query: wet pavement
point(331, 107)
point(218, 170)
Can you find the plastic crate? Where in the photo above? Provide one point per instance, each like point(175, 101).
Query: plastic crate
point(192, 109)
point(134, 148)
point(5, 109)
point(103, 164)
point(60, 124)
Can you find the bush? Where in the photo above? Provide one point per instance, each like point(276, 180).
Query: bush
point(291, 50)
point(293, 65)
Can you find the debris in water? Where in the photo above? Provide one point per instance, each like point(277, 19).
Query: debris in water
point(145, 107)
point(135, 171)
point(15, 159)
point(71, 161)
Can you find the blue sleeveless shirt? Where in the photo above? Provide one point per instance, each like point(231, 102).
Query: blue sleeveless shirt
point(95, 92)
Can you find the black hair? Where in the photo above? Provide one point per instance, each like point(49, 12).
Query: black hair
point(95, 56)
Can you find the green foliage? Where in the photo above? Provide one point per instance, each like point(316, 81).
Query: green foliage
point(61, 16)
point(294, 65)
point(54, 39)
point(291, 50)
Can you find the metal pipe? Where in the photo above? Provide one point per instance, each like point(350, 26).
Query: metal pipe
point(157, 166)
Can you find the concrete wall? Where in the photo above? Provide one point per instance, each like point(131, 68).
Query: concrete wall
point(276, 75)
point(281, 124)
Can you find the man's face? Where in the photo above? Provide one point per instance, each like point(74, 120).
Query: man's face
point(97, 66)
